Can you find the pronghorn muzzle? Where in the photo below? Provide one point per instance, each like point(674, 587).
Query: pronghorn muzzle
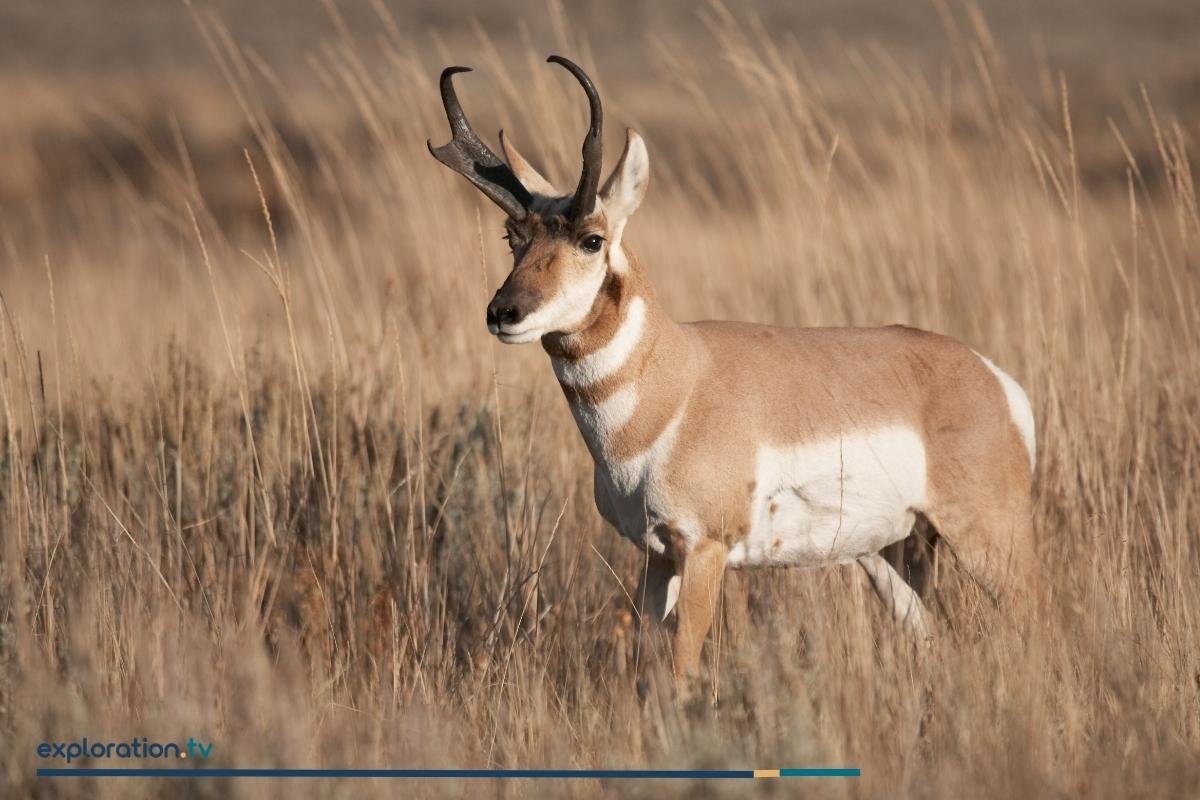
point(509, 307)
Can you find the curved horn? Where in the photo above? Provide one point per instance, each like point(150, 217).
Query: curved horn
point(584, 200)
point(471, 158)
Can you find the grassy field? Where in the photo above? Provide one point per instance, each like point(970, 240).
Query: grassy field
point(266, 481)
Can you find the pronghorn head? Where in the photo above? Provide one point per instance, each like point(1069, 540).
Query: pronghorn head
point(564, 246)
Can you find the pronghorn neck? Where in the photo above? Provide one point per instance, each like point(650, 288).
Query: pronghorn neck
point(626, 371)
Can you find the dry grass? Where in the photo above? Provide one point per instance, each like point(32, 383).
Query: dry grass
point(257, 484)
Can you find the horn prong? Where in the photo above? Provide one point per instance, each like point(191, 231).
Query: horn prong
point(467, 155)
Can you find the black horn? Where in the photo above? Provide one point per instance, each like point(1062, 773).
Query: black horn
point(584, 200)
point(471, 158)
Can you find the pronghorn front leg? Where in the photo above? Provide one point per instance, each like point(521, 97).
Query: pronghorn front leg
point(699, 599)
point(900, 599)
point(657, 590)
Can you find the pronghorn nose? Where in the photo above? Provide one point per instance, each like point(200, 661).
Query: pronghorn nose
point(502, 312)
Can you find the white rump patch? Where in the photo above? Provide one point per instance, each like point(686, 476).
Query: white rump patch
point(833, 500)
point(1018, 407)
point(606, 361)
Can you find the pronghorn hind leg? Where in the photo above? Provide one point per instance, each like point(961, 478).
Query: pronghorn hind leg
point(993, 569)
point(999, 559)
point(899, 598)
point(914, 556)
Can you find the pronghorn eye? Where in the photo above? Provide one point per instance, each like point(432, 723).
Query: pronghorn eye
point(592, 244)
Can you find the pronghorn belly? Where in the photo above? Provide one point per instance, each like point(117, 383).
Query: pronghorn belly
point(833, 500)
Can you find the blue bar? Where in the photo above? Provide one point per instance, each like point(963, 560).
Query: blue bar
point(604, 774)
point(202, 772)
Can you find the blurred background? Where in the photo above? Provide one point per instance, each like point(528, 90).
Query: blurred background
point(130, 113)
point(81, 80)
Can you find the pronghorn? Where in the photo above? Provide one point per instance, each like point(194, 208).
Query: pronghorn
point(732, 445)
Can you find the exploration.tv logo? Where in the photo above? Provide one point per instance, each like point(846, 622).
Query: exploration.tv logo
point(134, 748)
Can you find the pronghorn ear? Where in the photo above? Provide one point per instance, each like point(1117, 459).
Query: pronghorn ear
point(625, 188)
point(529, 177)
